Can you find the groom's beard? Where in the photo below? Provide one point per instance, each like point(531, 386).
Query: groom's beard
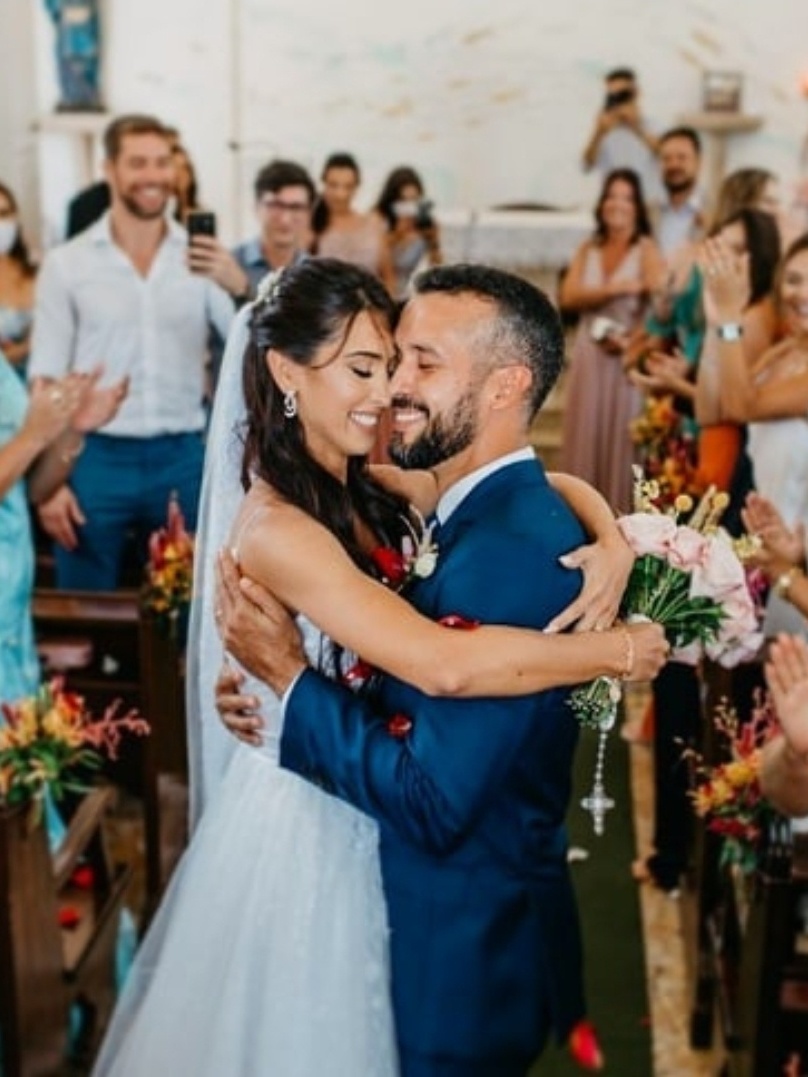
point(442, 438)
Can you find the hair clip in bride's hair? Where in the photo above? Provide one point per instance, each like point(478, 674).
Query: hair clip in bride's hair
point(268, 287)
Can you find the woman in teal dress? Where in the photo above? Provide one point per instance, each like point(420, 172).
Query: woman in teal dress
point(28, 429)
point(41, 433)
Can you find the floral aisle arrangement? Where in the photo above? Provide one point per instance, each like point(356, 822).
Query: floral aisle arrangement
point(688, 577)
point(727, 795)
point(169, 571)
point(666, 447)
point(51, 741)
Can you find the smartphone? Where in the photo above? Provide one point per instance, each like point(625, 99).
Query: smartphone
point(200, 223)
point(423, 216)
point(618, 98)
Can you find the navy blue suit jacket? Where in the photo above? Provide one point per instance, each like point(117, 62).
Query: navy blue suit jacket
point(471, 803)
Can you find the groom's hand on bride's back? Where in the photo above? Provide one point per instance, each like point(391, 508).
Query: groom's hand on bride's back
point(256, 629)
point(239, 712)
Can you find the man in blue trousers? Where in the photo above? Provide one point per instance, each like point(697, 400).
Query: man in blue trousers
point(470, 794)
point(120, 295)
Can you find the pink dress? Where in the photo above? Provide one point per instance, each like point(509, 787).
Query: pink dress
point(600, 400)
point(362, 246)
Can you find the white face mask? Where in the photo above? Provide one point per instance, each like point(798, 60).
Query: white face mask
point(9, 230)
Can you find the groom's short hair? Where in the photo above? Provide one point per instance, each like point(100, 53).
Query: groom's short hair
point(526, 328)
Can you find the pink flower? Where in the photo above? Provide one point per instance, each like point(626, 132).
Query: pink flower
point(721, 572)
point(730, 650)
point(688, 549)
point(648, 533)
point(689, 655)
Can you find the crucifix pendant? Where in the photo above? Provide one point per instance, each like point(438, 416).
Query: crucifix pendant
point(598, 801)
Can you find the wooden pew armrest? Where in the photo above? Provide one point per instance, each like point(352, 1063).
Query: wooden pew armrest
point(80, 949)
point(83, 826)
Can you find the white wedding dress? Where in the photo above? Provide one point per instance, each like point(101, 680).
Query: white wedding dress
point(268, 955)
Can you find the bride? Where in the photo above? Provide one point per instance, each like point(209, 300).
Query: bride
point(268, 955)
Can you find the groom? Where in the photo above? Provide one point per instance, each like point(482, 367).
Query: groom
point(470, 795)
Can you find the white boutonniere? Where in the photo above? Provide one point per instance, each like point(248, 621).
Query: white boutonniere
point(419, 548)
point(416, 559)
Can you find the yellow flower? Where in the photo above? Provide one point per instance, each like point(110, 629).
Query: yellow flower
point(683, 503)
point(740, 773)
point(703, 800)
point(722, 791)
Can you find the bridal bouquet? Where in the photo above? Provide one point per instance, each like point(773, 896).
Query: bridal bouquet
point(728, 795)
point(169, 571)
point(687, 577)
point(50, 739)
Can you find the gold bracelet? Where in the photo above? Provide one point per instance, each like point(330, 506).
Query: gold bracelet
point(628, 664)
point(782, 585)
point(69, 455)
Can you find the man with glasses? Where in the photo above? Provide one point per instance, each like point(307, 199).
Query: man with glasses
point(284, 195)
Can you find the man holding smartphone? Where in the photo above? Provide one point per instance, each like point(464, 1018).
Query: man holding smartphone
point(621, 137)
point(284, 196)
point(121, 295)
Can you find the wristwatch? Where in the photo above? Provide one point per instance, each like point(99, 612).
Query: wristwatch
point(729, 331)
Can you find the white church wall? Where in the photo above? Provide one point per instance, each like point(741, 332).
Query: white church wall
point(493, 103)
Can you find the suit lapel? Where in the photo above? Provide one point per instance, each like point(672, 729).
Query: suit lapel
point(525, 474)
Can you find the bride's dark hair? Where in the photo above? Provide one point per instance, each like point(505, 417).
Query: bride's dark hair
point(313, 303)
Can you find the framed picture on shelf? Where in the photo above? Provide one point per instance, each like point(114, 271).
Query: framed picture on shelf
point(722, 91)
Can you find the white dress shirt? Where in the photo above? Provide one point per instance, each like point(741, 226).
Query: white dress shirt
point(678, 225)
point(93, 306)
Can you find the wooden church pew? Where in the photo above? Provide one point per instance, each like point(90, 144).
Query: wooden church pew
point(126, 655)
point(47, 969)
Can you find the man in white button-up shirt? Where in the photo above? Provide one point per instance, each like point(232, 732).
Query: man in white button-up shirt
point(121, 294)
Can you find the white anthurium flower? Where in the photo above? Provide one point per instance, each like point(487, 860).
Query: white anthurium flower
point(419, 549)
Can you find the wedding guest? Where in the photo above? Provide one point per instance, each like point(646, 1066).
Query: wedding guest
point(609, 282)
point(755, 188)
point(340, 231)
point(771, 397)
point(17, 275)
point(718, 444)
point(413, 234)
point(711, 454)
point(284, 195)
point(784, 761)
point(679, 217)
point(621, 137)
point(92, 202)
point(121, 294)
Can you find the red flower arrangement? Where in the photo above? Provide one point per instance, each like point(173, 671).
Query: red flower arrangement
point(728, 794)
point(666, 448)
point(169, 571)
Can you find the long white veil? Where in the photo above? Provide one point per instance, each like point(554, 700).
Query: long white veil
point(209, 744)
